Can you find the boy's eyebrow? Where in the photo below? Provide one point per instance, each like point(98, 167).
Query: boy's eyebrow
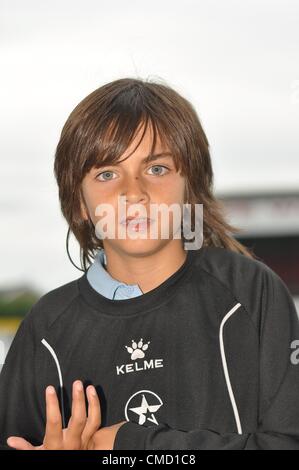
point(152, 157)
point(148, 159)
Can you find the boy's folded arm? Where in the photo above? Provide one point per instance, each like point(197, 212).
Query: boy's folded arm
point(278, 421)
point(279, 431)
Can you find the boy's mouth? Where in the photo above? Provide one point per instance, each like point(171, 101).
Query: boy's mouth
point(137, 223)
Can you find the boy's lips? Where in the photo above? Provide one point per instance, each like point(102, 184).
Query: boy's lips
point(136, 220)
point(137, 224)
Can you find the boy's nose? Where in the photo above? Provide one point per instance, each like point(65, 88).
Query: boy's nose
point(134, 191)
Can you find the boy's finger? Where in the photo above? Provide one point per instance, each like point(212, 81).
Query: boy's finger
point(94, 414)
point(53, 436)
point(78, 418)
point(19, 443)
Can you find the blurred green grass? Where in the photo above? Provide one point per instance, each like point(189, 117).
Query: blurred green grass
point(15, 303)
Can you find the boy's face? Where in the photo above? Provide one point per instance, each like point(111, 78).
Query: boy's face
point(142, 185)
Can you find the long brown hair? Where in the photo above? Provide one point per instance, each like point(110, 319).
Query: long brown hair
point(100, 129)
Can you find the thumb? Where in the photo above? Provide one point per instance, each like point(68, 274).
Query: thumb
point(19, 443)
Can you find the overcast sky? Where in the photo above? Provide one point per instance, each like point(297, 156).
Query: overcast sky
point(237, 62)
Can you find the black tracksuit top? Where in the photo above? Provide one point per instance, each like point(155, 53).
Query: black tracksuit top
point(209, 359)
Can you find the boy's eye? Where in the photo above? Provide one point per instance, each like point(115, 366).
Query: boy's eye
point(109, 173)
point(105, 173)
point(159, 166)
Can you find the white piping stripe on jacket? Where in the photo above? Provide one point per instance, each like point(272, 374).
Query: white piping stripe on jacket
point(47, 345)
point(225, 369)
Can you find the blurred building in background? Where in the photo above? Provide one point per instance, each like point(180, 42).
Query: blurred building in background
point(270, 228)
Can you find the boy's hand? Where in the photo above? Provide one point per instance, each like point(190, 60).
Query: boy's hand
point(82, 431)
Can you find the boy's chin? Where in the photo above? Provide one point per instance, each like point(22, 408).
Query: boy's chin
point(139, 246)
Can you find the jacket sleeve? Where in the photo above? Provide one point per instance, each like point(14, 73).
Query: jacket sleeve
point(278, 421)
point(19, 415)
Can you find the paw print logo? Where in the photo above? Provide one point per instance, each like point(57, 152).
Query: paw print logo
point(136, 350)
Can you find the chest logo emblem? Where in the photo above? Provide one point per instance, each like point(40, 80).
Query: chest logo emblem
point(137, 352)
point(142, 407)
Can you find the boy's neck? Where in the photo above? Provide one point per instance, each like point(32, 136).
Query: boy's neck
point(146, 271)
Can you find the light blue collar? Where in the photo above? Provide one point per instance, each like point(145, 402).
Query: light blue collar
point(101, 281)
